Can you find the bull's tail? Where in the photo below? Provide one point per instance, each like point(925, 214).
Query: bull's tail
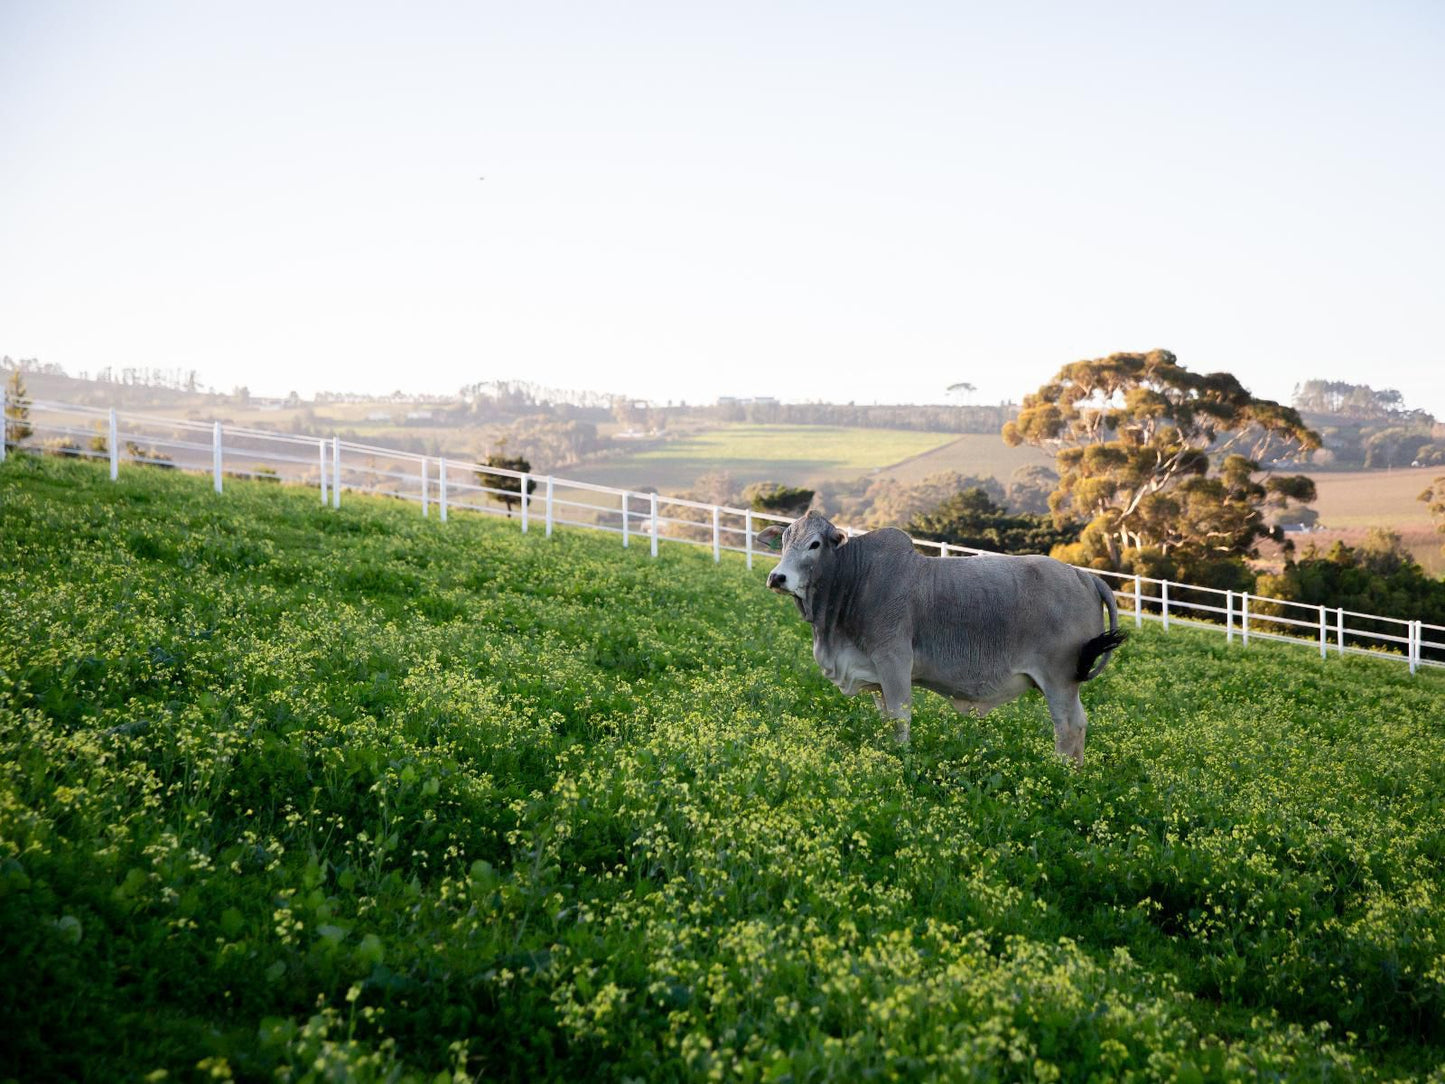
point(1102, 646)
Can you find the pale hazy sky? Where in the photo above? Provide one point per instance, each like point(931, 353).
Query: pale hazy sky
point(807, 200)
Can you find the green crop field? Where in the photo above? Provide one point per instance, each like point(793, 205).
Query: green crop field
point(794, 454)
point(297, 794)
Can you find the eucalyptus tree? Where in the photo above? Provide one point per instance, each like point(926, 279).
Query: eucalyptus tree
point(1154, 456)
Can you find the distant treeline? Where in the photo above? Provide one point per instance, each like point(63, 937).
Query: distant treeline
point(1340, 397)
point(931, 417)
point(1365, 427)
point(523, 396)
point(1361, 426)
point(134, 389)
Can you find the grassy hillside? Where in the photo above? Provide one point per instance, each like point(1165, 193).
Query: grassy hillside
point(289, 793)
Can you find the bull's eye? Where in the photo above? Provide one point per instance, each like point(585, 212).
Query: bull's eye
point(814, 544)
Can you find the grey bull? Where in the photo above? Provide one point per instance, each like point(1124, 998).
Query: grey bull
point(979, 630)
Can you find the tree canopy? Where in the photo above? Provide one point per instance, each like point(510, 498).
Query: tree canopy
point(777, 498)
point(1377, 577)
point(1434, 498)
point(1030, 487)
point(894, 503)
point(1155, 456)
point(1351, 400)
point(511, 488)
point(971, 518)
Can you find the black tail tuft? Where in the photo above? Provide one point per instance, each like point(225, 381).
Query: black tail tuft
point(1099, 645)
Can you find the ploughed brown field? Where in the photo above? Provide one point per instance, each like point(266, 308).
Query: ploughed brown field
point(1351, 502)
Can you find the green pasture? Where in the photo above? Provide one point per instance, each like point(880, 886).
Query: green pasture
point(296, 794)
point(793, 454)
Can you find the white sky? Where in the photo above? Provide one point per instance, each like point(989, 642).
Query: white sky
point(837, 201)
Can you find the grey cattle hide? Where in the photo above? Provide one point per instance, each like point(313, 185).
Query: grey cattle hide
point(978, 630)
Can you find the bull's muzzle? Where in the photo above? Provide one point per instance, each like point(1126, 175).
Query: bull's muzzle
point(777, 581)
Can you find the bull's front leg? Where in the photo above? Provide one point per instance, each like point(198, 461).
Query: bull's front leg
point(895, 676)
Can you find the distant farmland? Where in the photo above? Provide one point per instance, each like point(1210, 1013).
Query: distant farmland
point(1365, 498)
point(983, 454)
point(1351, 502)
point(754, 453)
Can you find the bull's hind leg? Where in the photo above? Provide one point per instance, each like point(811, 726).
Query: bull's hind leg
point(1070, 722)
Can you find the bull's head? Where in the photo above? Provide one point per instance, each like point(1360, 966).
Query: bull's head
point(806, 544)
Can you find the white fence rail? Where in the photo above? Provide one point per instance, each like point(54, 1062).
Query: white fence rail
point(546, 502)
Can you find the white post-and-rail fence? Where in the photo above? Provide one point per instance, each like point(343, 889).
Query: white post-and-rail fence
point(449, 485)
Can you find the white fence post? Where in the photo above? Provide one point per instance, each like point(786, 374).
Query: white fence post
point(748, 530)
point(1138, 604)
point(114, 447)
point(321, 449)
point(335, 472)
point(549, 506)
point(716, 533)
point(1339, 632)
point(4, 420)
point(216, 455)
point(1229, 617)
point(1412, 639)
point(526, 483)
point(1244, 616)
point(425, 487)
point(654, 523)
point(1164, 602)
point(443, 481)
point(1324, 632)
point(943, 549)
point(626, 519)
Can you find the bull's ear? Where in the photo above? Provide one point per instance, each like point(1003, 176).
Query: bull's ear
point(836, 536)
point(770, 538)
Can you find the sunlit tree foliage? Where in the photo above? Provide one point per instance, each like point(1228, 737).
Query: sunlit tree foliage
point(1154, 456)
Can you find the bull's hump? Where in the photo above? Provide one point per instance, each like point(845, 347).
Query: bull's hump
point(882, 564)
point(885, 554)
point(887, 540)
